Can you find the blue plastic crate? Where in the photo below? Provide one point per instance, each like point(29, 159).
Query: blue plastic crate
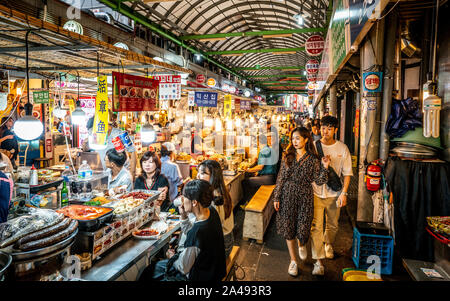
point(365, 245)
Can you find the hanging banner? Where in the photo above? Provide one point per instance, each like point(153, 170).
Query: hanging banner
point(227, 106)
point(191, 98)
point(169, 86)
point(101, 118)
point(134, 93)
point(206, 99)
point(51, 105)
point(237, 104)
point(314, 45)
point(71, 105)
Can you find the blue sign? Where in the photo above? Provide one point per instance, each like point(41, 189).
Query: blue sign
point(206, 99)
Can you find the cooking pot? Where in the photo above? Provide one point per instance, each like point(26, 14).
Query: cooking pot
point(5, 261)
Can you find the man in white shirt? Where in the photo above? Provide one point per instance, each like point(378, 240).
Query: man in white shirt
point(325, 199)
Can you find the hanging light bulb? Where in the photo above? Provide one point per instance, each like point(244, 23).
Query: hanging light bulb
point(28, 127)
point(218, 124)
point(124, 118)
point(189, 118)
point(148, 134)
point(284, 118)
point(143, 118)
point(209, 122)
point(78, 116)
point(229, 124)
point(238, 122)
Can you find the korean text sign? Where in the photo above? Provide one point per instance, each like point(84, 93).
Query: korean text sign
point(101, 118)
point(134, 93)
point(206, 99)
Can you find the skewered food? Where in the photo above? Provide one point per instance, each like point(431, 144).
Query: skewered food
point(136, 195)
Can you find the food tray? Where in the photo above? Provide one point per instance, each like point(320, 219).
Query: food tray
point(95, 224)
point(154, 197)
point(21, 256)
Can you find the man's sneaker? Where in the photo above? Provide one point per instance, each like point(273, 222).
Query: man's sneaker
point(293, 270)
point(302, 252)
point(329, 251)
point(318, 270)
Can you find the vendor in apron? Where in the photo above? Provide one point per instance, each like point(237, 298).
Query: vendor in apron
point(113, 132)
point(119, 179)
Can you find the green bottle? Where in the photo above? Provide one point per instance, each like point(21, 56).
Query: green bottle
point(64, 195)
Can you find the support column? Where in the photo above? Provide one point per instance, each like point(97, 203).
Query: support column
point(333, 101)
point(388, 81)
point(371, 55)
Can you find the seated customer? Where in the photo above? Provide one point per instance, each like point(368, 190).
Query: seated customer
point(266, 170)
point(119, 178)
point(211, 171)
point(203, 255)
point(152, 179)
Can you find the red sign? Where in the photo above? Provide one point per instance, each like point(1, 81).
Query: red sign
point(372, 82)
point(312, 77)
point(134, 93)
point(200, 78)
point(314, 45)
point(312, 66)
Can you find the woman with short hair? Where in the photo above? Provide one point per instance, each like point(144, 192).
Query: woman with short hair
point(152, 179)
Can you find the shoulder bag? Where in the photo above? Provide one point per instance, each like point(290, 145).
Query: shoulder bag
point(334, 182)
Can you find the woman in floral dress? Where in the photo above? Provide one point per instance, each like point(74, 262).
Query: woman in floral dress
point(293, 194)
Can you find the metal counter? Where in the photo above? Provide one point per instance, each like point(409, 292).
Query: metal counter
point(128, 259)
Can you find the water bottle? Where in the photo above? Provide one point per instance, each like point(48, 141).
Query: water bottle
point(85, 171)
point(66, 174)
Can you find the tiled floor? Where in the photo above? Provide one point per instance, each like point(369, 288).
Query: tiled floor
point(270, 260)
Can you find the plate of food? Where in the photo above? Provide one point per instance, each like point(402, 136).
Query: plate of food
point(146, 234)
point(154, 232)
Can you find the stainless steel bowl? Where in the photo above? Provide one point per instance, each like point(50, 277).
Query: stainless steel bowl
point(5, 262)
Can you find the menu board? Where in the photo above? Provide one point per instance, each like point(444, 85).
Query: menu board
point(169, 86)
point(133, 93)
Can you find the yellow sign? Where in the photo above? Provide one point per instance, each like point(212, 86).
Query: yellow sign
point(51, 104)
point(227, 106)
point(101, 118)
point(71, 105)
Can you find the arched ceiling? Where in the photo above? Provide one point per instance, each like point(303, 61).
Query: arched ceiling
point(206, 17)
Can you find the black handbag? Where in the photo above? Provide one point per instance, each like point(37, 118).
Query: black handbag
point(334, 182)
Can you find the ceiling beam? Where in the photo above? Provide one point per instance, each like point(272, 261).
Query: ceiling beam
point(270, 68)
point(275, 75)
point(46, 48)
point(252, 33)
point(256, 51)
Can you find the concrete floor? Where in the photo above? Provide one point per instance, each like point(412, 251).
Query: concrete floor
point(269, 261)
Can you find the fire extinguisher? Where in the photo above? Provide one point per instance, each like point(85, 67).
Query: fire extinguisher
point(373, 176)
